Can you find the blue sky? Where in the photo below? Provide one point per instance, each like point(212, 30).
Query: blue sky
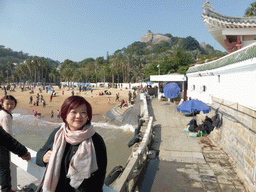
point(79, 29)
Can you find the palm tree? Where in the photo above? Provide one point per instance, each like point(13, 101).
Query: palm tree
point(29, 66)
point(22, 72)
point(67, 74)
point(54, 75)
point(251, 11)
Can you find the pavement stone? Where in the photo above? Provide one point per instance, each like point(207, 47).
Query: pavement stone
point(184, 163)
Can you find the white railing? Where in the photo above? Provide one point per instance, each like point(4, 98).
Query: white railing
point(33, 169)
point(144, 107)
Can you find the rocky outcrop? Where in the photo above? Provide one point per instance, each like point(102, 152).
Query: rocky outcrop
point(154, 38)
point(203, 45)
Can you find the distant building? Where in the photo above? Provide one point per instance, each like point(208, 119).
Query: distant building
point(232, 33)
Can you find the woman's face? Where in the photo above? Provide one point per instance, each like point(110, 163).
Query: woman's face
point(8, 105)
point(77, 118)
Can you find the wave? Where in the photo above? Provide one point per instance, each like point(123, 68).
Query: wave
point(30, 120)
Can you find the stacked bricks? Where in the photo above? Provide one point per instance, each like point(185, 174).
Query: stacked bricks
point(237, 136)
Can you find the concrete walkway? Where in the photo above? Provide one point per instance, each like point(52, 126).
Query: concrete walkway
point(184, 163)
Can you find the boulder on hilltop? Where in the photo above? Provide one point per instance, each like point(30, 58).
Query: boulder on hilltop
point(154, 38)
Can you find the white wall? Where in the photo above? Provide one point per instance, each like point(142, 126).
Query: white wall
point(238, 87)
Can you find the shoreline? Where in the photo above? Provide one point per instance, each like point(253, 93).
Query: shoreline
point(100, 104)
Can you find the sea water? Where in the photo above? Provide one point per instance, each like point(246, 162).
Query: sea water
point(33, 133)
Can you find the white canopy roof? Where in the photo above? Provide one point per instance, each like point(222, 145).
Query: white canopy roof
point(168, 77)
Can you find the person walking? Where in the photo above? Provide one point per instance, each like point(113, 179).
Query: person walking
point(130, 96)
point(30, 99)
point(51, 98)
point(75, 154)
point(117, 98)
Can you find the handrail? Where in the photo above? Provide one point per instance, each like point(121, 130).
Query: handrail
point(33, 169)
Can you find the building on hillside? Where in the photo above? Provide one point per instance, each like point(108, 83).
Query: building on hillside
point(232, 33)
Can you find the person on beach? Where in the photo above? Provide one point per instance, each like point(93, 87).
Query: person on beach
point(58, 113)
point(75, 154)
point(43, 103)
point(35, 113)
point(117, 98)
point(31, 99)
point(130, 96)
point(52, 114)
point(122, 103)
point(51, 98)
point(7, 105)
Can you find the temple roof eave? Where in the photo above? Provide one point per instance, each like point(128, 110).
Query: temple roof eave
point(229, 20)
point(243, 54)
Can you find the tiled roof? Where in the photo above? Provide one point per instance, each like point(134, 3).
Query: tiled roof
point(237, 56)
point(213, 14)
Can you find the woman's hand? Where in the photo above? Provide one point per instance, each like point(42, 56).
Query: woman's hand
point(26, 157)
point(47, 156)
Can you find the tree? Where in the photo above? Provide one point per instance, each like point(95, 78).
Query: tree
point(152, 69)
point(67, 73)
point(54, 75)
point(190, 43)
point(251, 11)
point(181, 62)
point(1, 77)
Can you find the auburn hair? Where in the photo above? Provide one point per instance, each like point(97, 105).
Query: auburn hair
point(73, 102)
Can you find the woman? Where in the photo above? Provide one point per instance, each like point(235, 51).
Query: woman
point(75, 153)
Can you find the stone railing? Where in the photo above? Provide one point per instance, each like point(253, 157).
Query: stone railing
point(137, 160)
point(127, 181)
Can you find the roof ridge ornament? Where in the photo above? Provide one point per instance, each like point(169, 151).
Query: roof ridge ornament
point(207, 6)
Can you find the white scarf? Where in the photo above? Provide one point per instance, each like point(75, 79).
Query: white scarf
point(82, 164)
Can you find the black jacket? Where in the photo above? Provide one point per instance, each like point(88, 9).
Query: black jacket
point(11, 144)
point(92, 184)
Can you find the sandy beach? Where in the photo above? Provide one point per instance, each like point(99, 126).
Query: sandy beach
point(100, 104)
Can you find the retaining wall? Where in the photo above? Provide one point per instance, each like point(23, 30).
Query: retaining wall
point(237, 137)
